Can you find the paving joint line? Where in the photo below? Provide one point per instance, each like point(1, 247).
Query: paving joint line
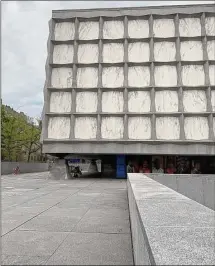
point(69, 231)
point(46, 209)
point(39, 214)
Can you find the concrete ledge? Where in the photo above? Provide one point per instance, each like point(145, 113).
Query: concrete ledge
point(167, 227)
point(200, 188)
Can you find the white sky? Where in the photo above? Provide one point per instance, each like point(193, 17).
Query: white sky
point(24, 38)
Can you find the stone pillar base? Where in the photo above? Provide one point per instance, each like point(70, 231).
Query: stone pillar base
point(60, 170)
point(93, 167)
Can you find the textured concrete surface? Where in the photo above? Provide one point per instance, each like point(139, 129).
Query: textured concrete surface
point(167, 227)
point(200, 188)
point(65, 222)
point(7, 168)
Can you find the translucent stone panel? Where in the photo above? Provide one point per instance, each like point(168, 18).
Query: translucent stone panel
point(196, 128)
point(191, 51)
point(138, 52)
point(193, 75)
point(194, 101)
point(139, 101)
point(167, 128)
point(87, 77)
point(61, 77)
point(60, 102)
point(86, 102)
point(113, 29)
point(63, 54)
point(210, 26)
point(112, 127)
point(165, 76)
point(212, 74)
point(112, 77)
point(189, 27)
point(213, 100)
point(59, 128)
point(113, 52)
point(138, 76)
point(166, 101)
point(164, 51)
point(64, 31)
point(88, 53)
point(88, 30)
point(138, 28)
point(211, 50)
point(112, 102)
point(164, 28)
point(214, 125)
point(139, 128)
point(85, 128)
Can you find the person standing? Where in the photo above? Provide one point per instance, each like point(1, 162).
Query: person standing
point(130, 168)
point(196, 169)
point(157, 169)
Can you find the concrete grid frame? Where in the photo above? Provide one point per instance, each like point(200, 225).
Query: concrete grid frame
point(116, 78)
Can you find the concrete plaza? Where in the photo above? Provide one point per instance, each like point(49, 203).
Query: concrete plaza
point(65, 222)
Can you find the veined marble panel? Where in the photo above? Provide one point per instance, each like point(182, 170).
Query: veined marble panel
point(214, 125)
point(210, 26)
point(138, 52)
point(64, 31)
point(63, 54)
point(193, 75)
point(58, 128)
point(87, 77)
point(112, 77)
point(166, 101)
point(88, 53)
point(113, 29)
point(112, 102)
point(86, 102)
point(164, 28)
point(196, 128)
point(211, 49)
point(164, 51)
point(61, 77)
point(212, 74)
point(167, 128)
point(113, 52)
point(112, 128)
point(88, 30)
point(165, 76)
point(213, 100)
point(60, 102)
point(139, 101)
point(85, 127)
point(194, 101)
point(191, 51)
point(139, 128)
point(138, 28)
point(138, 76)
point(189, 27)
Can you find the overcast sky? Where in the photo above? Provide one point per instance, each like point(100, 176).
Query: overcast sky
point(24, 37)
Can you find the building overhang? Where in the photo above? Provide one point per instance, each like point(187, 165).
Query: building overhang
point(130, 147)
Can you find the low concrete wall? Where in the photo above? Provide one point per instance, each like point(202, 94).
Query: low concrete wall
point(200, 188)
point(7, 167)
point(167, 227)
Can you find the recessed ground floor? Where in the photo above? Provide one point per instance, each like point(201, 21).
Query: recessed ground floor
point(119, 165)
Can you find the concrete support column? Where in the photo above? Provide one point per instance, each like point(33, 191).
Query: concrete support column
point(93, 167)
point(60, 170)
